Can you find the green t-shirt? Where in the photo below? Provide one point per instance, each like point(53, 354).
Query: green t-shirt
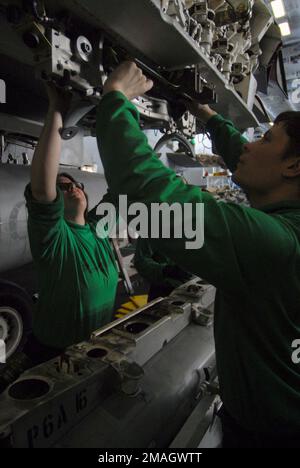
point(77, 275)
point(150, 265)
point(252, 256)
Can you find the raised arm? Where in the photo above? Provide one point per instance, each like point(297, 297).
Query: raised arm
point(46, 157)
point(227, 140)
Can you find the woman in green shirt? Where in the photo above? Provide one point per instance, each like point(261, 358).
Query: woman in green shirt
point(76, 269)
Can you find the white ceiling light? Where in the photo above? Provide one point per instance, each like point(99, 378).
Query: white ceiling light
point(278, 8)
point(285, 29)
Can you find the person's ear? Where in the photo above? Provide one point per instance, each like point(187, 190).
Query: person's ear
point(292, 168)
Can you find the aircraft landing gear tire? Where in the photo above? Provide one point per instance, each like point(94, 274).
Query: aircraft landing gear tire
point(15, 317)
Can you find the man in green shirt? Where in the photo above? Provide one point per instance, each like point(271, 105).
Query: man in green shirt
point(251, 254)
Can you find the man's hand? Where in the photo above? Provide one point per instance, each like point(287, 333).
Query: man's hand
point(129, 80)
point(201, 112)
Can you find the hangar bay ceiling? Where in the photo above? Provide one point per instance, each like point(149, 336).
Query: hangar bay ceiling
point(220, 52)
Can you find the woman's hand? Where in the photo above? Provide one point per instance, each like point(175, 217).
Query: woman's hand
point(59, 99)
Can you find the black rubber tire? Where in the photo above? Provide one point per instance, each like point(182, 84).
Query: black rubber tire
point(12, 295)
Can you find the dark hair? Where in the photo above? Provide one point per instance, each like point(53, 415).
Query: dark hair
point(291, 122)
point(72, 179)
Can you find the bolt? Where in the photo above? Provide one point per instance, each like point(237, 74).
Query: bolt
point(86, 48)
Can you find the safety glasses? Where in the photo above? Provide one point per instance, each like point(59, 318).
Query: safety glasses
point(67, 186)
